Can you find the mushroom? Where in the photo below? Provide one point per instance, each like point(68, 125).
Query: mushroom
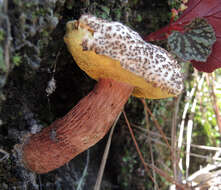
point(123, 64)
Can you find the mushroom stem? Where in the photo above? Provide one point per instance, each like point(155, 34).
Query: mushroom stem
point(82, 127)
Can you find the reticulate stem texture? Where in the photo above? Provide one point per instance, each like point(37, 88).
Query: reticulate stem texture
point(82, 127)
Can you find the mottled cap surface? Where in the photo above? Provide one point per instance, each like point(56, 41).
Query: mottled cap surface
point(153, 64)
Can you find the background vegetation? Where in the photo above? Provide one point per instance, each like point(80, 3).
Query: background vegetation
point(32, 53)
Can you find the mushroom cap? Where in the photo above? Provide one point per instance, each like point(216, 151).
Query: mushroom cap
point(105, 49)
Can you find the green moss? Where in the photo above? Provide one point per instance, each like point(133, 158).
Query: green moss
point(17, 2)
point(139, 18)
point(128, 162)
point(2, 63)
point(105, 9)
point(2, 35)
point(16, 59)
point(174, 3)
point(117, 12)
point(70, 5)
point(40, 12)
point(133, 2)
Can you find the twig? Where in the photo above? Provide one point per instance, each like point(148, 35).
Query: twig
point(164, 165)
point(217, 154)
point(209, 158)
point(150, 145)
point(190, 125)
point(214, 101)
point(137, 147)
point(174, 161)
point(157, 170)
point(168, 178)
point(214, 158)
point(206, 147)
point(105, 155)
point(212, 148)
point(205, 181)
point(206, 169)
point(194, 154)
point(174, 139)
point(156, 124)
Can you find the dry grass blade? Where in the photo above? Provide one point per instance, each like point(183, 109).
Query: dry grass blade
point(173, 152)
point(105, 155)
point(188, 100)
point(5, 155)
point(208, 177)
point(170, 179)
point(84, 174)
point(156, 124)
point(214, 100)
point(209, 158)
point(190, 124)
point(153, 134)
point(151, 149)
point(157, 170)
point(174, 139)
point(137, 147)
point(206, 147)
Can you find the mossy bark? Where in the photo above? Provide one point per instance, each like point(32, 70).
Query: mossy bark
point(37, 54)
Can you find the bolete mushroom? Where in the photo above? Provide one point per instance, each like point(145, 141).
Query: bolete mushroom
point(123, 64)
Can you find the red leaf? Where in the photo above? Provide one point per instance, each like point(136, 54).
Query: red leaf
point(211, 11)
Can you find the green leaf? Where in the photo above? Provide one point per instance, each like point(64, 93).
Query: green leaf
point(195, 43)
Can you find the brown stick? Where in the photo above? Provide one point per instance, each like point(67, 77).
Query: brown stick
point(79, 129)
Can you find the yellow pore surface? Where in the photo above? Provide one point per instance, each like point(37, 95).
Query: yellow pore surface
point(100, 66)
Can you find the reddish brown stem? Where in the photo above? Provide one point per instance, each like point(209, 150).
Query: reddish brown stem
point(79, 129)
